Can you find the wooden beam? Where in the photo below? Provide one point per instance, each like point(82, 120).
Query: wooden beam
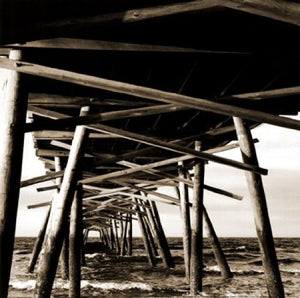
point(56, 100)
point(261, 214)
point(66, 135)
point(186, 222)
point(103, 45)
point(94, 118)
point(133, 15)
point(59, 216)
point(12, 119)
point(196, 266)
point(149, 93)
point(285, 11)
point(176, 148)
point(42, 178)
point(75, 243)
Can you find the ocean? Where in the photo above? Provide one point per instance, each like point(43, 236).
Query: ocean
point(109, 275)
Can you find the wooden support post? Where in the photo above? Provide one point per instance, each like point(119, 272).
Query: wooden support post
point(197, 228)
point(185, 214)
point(130, 235)
point(117, 237)
point(216, 246)
point(163, 237)
point(150, 235)
point(82, 254)
point(38, 244)
point(12, 121)
point(112, 237)
point(75, 244)
point(59, 215)
point(260, 209)
point(151, 258)
point(163, 250)
point(64, 255)
point(124, 240)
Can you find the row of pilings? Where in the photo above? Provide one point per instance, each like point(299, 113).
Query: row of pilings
point(65, 215)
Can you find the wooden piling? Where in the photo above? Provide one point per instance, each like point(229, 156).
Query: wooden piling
point(216, 246)
point(124, 239)
point(117, 236)
point(162, 236)
point(75, 244)
point(64, 256)
point(151, 258)
point(38, 244)
point(12, 121)
point(162, 249)
point(185, 214)
point(196, 265)
point(260, 209)
point(130, 235)
point(59, 215)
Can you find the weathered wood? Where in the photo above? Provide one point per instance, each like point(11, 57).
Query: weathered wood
point(59, 216)
point(66, 135)
point(149, 93)
point(64, 255)
point(12, 117)
point(151, 258)
point(196, 265)
point(284, 11)
point(162, 235)
point(38, 244)
point(129, 236)
point(94, 118)
point(216, 246)
point(186, 222)
point(133, 15)
point(42, 178)
point(261, 215)
point(123, 237)
point(163, 250)
point(56, 115)
point(117, 236)
point(101, 45)
point(75, 243)
point(54, 100)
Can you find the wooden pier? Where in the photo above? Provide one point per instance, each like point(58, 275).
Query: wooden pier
point(126, 97)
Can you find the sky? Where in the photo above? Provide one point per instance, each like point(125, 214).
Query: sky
point(278, 150)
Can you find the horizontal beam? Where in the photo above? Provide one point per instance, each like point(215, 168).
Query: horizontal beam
point(161, 144)
point(285, 11)
point(42, 178)
point(127, 16)
point(102, 45)
point(149, 93)
point(175, 148)
point(66, 135)
point(94, 118)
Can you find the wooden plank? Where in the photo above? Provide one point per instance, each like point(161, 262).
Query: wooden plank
point(149, 93)
point(56, 100)
point(103, 45)
point(133, 15)
point(285, 11)
point(94, 118)
point(66, 135)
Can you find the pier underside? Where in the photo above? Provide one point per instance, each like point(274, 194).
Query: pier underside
point(119, 94)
